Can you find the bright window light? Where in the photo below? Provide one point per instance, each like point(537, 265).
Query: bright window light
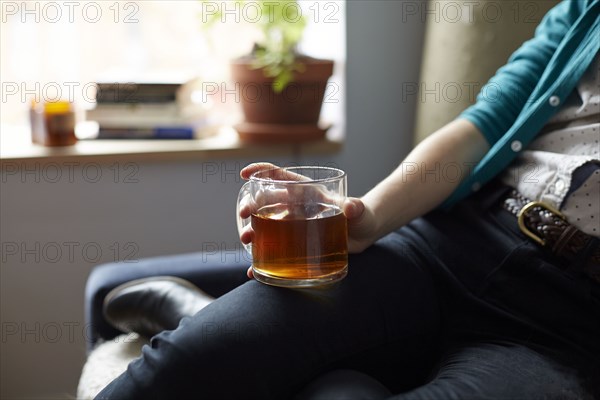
point(58, 49)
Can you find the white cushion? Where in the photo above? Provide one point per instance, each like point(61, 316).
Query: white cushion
point(106, 362)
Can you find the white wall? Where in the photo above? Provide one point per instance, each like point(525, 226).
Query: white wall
point(173, 207)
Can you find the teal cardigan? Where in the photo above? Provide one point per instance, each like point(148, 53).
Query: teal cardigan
point(517, 102)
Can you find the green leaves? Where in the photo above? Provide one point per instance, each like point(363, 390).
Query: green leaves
point(282, 24)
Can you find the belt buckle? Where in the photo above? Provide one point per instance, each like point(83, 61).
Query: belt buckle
point(521, 219)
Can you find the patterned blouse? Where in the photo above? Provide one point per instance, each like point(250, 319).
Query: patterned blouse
point(561, 167)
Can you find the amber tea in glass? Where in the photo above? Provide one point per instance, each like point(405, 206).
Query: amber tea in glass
point(299, 229)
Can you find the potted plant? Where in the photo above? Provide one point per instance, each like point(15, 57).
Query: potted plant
point(281, 91)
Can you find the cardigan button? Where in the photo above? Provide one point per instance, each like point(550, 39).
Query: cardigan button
point(554, 101)
point(516, 146)
point(476, 186)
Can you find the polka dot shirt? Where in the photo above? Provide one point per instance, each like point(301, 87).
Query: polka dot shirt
point(562, 166)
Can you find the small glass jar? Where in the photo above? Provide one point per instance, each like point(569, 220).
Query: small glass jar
point(53, 123)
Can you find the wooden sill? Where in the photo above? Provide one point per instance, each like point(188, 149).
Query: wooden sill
point(16, 146)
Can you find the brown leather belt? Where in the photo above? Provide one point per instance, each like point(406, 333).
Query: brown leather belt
point(549, 228)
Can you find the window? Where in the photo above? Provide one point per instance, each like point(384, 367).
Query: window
point(52, 49)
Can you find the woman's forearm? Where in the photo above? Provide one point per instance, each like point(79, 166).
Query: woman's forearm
point(427, 176)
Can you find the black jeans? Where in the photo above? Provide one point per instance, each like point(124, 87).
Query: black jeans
point(455, 305)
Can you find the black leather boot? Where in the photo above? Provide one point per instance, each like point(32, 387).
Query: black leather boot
point(151, 305)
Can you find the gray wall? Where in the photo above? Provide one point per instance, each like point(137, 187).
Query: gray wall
point(173, 207)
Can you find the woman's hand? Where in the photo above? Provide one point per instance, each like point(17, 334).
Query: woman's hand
point(361, 221)
point(361, 225)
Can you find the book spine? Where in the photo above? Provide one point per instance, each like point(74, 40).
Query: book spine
point(146, 133)
point(111, 93)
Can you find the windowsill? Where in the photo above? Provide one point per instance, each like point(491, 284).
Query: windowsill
point(17, 147)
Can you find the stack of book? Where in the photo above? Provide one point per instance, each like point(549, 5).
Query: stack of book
point(140, 111)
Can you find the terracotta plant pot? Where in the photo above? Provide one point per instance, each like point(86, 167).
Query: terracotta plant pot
point(289, 116)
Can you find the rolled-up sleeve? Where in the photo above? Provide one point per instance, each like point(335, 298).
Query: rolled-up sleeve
point(502, 99)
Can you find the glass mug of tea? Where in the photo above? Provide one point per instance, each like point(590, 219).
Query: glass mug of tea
point(300, 236)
